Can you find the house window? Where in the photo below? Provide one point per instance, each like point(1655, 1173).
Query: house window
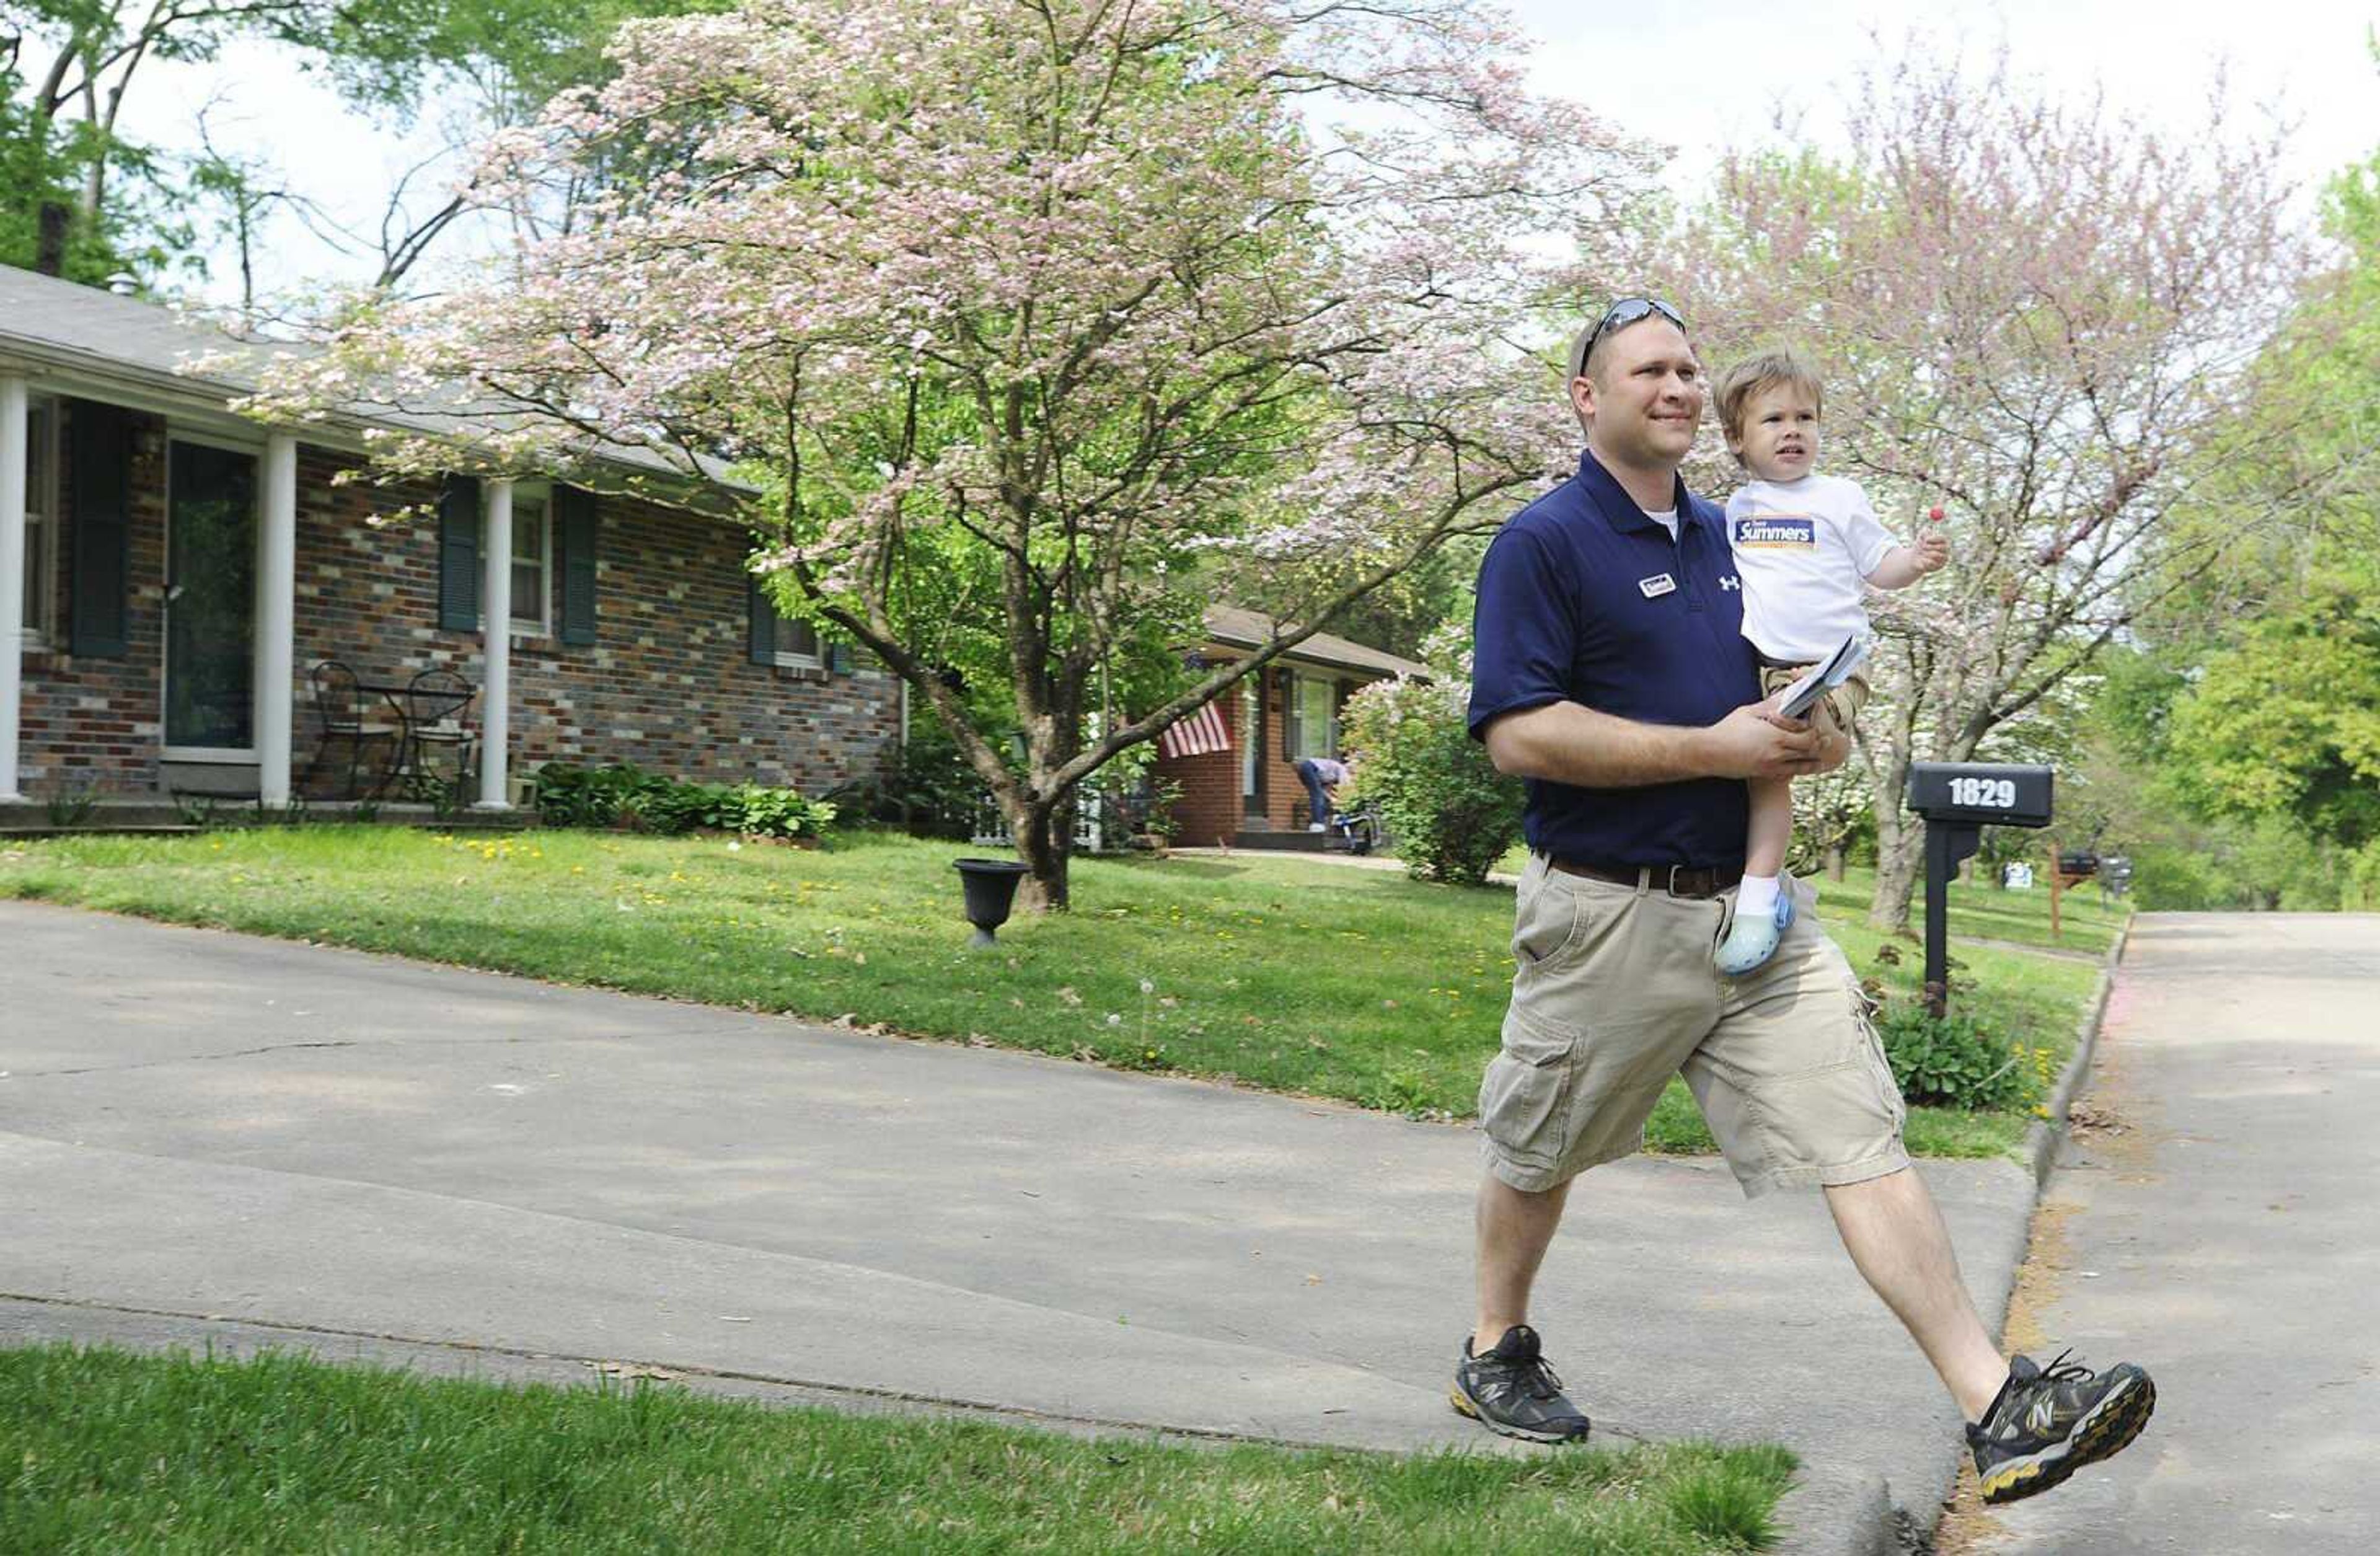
point(533, 562)
point(796, 643)
point(40, 520)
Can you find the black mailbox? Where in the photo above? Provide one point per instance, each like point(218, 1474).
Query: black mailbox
point(1958, 800)
point(1985, 794)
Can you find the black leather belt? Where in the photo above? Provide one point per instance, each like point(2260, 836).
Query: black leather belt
point(1679, 881)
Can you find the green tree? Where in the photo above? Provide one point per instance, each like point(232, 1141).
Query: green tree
point(68, 67)
point(1045, 305)
point(2284, 727)
point(2255, 737)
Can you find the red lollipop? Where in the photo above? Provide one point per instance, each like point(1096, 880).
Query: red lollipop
point(1934, 514)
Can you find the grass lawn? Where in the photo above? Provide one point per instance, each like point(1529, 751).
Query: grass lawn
point(1282, 973)
point(119, 1452)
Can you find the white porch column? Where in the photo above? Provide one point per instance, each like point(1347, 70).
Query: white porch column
point(496, 600)
point(277, 597)
point(13, 416)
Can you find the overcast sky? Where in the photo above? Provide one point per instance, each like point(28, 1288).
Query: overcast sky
point(1698, 78)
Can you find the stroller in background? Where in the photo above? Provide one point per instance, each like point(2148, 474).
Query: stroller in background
point(1356, 831)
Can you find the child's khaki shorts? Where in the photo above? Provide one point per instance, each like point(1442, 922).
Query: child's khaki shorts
point(1839, 708)
point(1614, 992)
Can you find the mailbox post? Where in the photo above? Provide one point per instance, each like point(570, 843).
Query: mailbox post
point(1958, 800)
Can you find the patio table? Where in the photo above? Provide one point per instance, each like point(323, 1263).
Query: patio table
point(425, 716)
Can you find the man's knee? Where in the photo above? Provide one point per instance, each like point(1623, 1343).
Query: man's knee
point(1499, 1197)
point(1882, 1185)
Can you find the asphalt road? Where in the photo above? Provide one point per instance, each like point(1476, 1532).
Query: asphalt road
point(2221, 1227)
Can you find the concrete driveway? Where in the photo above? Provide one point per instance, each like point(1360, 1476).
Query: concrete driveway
point(241, 1132)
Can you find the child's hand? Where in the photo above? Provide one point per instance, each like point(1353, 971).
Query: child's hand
point(1932, 552)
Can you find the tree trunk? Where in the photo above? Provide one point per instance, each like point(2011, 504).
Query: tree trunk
point(1044, 835)
point(1834, 861)
point(1897, 867)
point(1038, 848)
point(1899, 849)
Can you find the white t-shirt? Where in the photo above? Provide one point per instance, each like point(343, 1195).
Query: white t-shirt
point(1803, 549)
point(1667, 520)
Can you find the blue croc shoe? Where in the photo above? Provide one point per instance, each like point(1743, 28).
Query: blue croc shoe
point(1752, 940)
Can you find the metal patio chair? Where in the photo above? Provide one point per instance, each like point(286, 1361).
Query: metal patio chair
point(346, 712)
point(440, 748)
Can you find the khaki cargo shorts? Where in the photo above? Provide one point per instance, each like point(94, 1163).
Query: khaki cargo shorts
point(1614, 991)
point(1837, 709)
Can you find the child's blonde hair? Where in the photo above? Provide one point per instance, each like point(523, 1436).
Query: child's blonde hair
point(1748, 377)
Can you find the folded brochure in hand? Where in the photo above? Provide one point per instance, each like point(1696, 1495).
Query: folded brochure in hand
point(1837, 668)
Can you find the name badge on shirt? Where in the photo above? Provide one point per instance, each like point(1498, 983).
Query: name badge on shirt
point(1787, 531)
point(1657, 586)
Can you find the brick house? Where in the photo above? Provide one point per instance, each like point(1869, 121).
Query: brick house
point(1251, 794)
point(181, 570)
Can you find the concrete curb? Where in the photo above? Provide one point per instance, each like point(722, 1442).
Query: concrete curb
point(1828, 1512)
point(1836, 1512)
point(38, 1321)
point(1994, 1277)
point(2042, 1141)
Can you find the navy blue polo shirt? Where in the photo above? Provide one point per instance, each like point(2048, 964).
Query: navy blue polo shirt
point(1585, 599)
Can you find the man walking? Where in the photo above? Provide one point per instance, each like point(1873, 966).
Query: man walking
point(1610, 670)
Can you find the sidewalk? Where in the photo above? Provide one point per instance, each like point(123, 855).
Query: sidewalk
point(203, 1131)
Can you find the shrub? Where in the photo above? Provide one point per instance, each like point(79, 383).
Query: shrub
point(762, 811)
point(1958, 1060)
point(1452, 813)
point(584, 797)
point(934, 790)
point(621, 795)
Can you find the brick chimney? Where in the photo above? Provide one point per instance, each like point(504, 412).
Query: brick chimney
point(50, 254)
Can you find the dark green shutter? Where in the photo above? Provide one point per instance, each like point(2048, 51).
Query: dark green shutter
point(761, 640)
point(458, 555)
point(575, 512)
point(102, 593)
point(838, 658)
point(1294, 742)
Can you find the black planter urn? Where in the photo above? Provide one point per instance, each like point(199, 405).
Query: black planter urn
point(991, 892)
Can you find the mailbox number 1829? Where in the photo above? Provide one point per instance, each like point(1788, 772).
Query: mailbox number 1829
point(1998, 794)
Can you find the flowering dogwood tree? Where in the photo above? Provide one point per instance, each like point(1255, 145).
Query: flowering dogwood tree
point(2037, 317)
point(1031, 320)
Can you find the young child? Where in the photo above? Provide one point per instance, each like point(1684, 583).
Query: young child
point(1802, 543)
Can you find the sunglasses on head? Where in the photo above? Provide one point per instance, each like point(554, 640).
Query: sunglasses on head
point(1619, 316)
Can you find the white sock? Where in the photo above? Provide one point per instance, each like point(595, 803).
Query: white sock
point(1757, 896)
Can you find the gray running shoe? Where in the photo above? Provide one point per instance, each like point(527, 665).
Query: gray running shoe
point(2050, 1422)
point(1512, 1391)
